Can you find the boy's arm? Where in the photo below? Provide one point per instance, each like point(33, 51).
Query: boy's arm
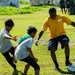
point(73, 24)
point(39, 36)
point(31, 54)
point(10, 37)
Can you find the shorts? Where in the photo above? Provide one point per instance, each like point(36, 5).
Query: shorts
point(31, 62)
point(62, 6)
point(53, 43)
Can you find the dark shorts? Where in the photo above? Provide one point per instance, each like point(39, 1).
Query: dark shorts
point(31, 62)
point(9, 57)
point(68, 6)
point(53, 43)
point(62, 6)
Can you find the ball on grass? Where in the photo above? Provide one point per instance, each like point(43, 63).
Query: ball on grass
point(71, 68)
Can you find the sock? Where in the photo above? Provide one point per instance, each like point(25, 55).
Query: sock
point(67, 58)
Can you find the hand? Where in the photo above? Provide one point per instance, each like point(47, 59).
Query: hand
point(14, 60)
point(15, 38)
point(36, 42)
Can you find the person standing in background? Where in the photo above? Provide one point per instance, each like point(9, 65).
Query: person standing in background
point(62, 6)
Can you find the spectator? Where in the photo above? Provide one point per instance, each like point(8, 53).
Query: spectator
point(68, 5)
point(62, 6)
point(11, 4)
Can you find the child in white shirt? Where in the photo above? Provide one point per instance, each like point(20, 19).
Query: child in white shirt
point(24, 52)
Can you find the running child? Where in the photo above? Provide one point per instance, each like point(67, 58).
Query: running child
point(23, 51)
point(6, 46)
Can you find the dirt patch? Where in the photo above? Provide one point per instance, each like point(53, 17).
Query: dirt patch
point(72, 44)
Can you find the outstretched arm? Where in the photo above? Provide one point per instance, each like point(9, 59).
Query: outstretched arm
point(73, 24)
point(39, 36)
point(10, 37)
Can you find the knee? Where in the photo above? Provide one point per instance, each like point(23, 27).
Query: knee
point(53, 50)
point(66, 45)
point(37, 67)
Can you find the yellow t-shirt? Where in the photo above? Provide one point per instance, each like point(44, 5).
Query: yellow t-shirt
point(56, 26)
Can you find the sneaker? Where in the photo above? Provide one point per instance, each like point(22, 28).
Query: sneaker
point(68, 63)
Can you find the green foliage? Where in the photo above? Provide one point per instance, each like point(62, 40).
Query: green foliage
point(25, 10)
point(23, 2)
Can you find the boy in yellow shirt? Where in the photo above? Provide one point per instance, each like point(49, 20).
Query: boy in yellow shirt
point(55, 23)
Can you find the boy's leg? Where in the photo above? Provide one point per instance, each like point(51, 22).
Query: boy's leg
point(67, 54)
point(12, 50)
point(36, 72)
point(64, 10)
point(52, 46)
point(32, 63)
point(9, 60)
point(26, 69)
point(53, 56)
point(64, 40)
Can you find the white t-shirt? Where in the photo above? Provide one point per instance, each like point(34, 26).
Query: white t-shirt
point(5, 43)
point(21, 50)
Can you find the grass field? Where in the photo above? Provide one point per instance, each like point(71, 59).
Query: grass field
point(46, 65)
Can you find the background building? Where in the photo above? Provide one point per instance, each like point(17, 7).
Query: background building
point(42, 2)
point(7, 3)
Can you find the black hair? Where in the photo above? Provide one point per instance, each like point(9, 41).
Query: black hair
point(9, 22)
point(52, 10)
point(31, 29)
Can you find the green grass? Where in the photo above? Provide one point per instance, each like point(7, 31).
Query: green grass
point(46, 65)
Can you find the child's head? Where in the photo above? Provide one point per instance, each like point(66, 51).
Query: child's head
point(31, 31)
point(9, 24)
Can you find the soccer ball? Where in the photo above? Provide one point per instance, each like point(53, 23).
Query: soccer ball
point(71, 68)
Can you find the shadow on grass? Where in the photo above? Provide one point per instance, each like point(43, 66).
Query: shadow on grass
point(65, 72)
point(17, 73)
point(20, 72)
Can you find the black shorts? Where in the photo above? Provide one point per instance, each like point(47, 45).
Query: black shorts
point(62, 6)
point(53, 43)
point(31, 62)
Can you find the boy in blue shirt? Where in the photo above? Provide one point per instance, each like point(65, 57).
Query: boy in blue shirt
point(24, 52)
